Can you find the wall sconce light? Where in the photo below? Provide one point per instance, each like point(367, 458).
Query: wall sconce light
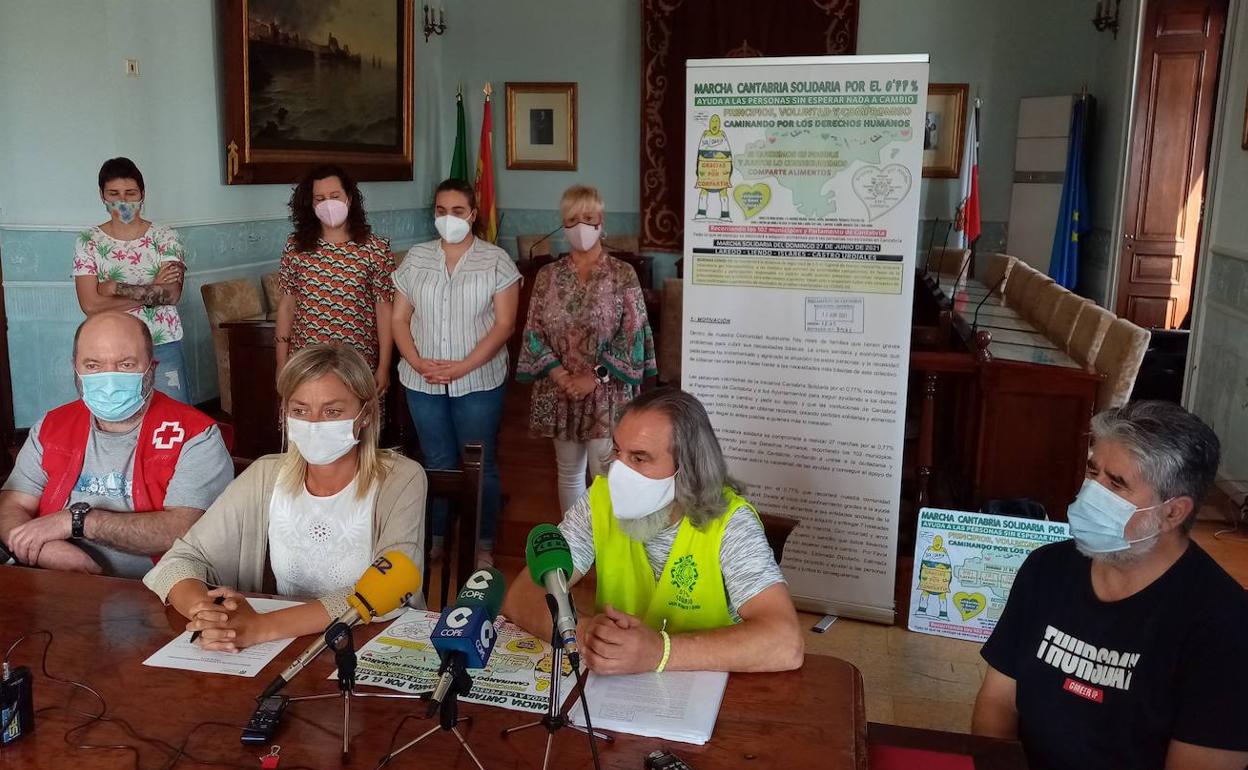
point(1106, 16)
point(435, 23)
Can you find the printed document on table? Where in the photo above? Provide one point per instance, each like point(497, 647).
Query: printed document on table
point(674, 705)
point(180, 653)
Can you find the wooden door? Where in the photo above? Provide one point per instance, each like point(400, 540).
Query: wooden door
point(1179, 53)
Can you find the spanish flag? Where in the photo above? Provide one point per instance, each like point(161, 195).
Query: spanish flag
point(484, 184)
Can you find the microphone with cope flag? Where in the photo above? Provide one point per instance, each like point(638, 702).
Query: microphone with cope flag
point(465, 634)
point(387, 584)
point(550, 564)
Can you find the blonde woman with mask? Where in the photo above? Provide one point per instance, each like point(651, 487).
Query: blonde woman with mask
point(303, 524)
point(454, 311)
point(587, 346)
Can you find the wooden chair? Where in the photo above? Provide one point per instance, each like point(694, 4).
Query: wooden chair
point(224, 301)
point(462, 490)
point(998, 270)
point(949, 261)
point(1089, 331)
point(777, 530)
point(1028, 298)
point(1061, 323)
point(1119, 360)
point(629, 243)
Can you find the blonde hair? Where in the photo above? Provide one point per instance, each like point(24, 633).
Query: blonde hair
point(580, 199)
point(345, 363)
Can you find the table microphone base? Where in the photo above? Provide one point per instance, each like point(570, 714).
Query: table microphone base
point(454, 730)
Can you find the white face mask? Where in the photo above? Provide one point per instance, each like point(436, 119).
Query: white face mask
point(634, 496)
point(452, 229)
point(331, 212)
point(322, 442)
point(582, 236)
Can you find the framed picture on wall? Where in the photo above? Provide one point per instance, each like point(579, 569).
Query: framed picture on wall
point(541, 126)
point(944, 129)
point(316, 81)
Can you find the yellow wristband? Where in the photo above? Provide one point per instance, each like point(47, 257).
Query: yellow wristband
point(667, 650)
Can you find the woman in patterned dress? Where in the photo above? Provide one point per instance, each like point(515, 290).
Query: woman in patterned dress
point(135, 266)
point(587, 346)
point(335, 274)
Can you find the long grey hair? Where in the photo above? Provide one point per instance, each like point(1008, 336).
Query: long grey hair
point(701, 473)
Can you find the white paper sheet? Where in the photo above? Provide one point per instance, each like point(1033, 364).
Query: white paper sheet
point(181, 654)
point(675, 705)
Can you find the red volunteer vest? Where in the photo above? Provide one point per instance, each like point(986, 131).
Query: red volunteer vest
point(167, 426)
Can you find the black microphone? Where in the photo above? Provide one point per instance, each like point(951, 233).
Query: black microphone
point(930, 241)
point(543, 239)
point(387, 583)
point(975, 318)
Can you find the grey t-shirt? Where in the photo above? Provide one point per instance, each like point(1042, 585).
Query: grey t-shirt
point(203, 471)
point(745, 557)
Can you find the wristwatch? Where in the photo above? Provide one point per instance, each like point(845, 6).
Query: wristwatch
point(78, 520)
point(602, 374)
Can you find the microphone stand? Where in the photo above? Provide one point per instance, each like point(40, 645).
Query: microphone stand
point(543, 239)
point(448, 714)
point(553, 720)
point(341, 640)
point(975, 318)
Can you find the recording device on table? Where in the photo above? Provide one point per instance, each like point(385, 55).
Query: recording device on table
point(665, 760)
point(17, 703)
point(387, 584)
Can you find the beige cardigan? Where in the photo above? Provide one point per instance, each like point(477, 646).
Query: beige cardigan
point(229, 544)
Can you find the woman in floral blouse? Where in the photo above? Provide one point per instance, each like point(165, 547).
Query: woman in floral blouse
point(133, 265)
point(335, 274)
point(587, 345)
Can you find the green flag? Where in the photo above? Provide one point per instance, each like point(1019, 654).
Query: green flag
point(459, 158)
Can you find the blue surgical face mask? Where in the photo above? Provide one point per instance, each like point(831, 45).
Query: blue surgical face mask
point(113, 396)
point(1098, 519)
point(127, 211)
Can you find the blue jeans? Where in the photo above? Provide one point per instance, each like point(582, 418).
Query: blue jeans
point(171, 376)
point(443, 425)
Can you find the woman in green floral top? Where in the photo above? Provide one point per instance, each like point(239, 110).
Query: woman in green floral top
point(587, 345)
point(135, 266)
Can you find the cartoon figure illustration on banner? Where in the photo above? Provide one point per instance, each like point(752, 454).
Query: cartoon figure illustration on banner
point(935, 577)
point(714, 172)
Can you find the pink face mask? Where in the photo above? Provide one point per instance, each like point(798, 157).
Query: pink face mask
point(331, 212)
point(582, 236)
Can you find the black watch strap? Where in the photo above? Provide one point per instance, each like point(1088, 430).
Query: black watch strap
point(78, 520)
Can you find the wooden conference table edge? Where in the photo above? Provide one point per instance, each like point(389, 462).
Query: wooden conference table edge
point(813, 717)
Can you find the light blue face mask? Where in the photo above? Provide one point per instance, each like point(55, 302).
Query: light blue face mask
point(127, 211)
point(113, 396)
point(1098, 519)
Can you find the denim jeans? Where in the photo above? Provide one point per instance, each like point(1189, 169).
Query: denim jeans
point(171, 376)
point(443, 425)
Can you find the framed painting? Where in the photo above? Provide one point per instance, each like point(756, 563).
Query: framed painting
point(944, 130)
point(541, 126)
point(316, 81)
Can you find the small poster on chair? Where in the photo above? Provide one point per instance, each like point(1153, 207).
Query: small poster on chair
point(964, 565)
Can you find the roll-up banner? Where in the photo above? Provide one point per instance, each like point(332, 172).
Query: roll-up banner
point(801, 218)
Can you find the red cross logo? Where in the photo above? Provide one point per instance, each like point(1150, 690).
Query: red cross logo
point(168, 435)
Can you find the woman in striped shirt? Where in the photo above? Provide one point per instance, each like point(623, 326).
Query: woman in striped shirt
point(453, 313)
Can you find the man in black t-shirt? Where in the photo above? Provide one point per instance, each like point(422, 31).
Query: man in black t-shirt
point(1125, 647)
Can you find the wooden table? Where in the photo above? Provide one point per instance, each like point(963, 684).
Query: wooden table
point(106, 627)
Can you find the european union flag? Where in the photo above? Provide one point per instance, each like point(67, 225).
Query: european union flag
point(1073, 218)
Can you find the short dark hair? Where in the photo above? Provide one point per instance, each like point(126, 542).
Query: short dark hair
point(148, 344)
point(121, 168)
point(1177, 454)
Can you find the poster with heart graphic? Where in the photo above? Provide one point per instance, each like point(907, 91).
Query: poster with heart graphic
point(801, 219)
point(964, 565)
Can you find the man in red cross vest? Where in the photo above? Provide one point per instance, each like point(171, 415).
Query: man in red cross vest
point(106, 483)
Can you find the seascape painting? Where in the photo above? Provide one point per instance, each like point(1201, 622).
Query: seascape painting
point(325, 74)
